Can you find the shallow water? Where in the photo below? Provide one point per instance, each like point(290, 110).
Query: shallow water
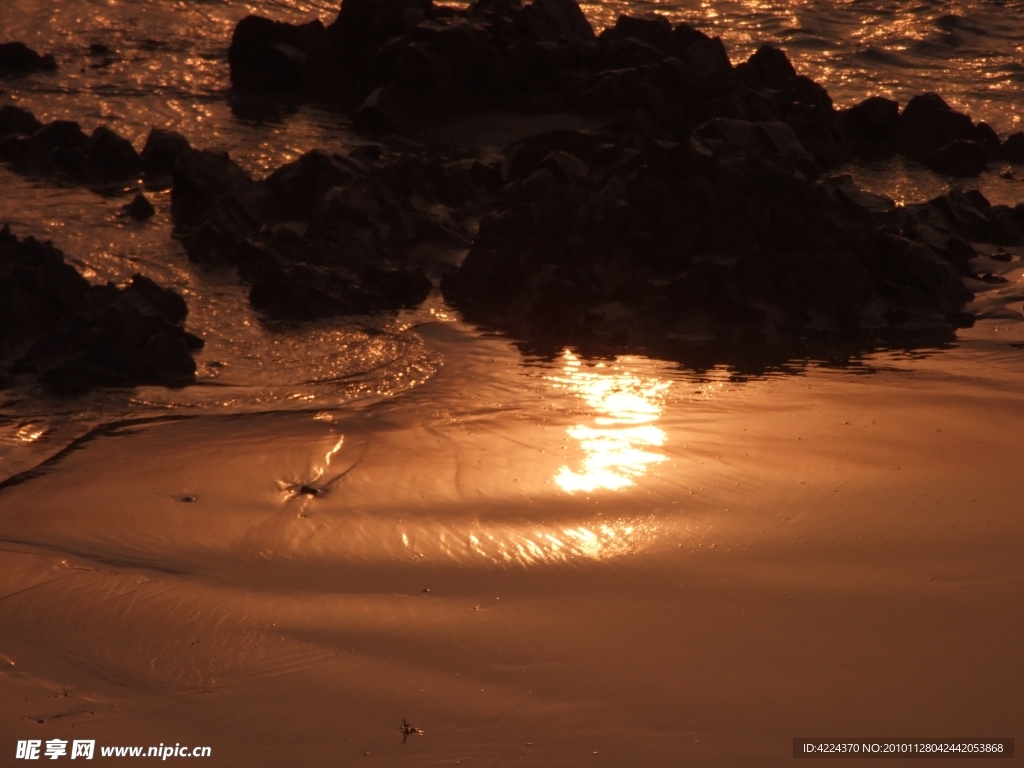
point(627, 556)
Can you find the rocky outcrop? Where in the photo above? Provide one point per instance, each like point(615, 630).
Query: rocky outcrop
point(61, 151)
point(74, 337)
point(18, 59)
point(632, 240)
point(394, 62)
point(327, 234)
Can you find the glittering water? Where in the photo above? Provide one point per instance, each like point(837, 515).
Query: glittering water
point(165, 64)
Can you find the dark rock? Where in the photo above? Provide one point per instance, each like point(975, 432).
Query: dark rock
point(74, 337)
point(771, 67)
point(60, 150)
point(162, 150)
point(113, 156)
point(231, 220)
point(871, 125)
point(200, 180)
point(302, 182)
point(306, 292)
point(960, 158)
point(266, 54)
point(401, 288)
point(985, 134)
point(18, 58)
point(928, 124)
point(55, 150)
point(652, 29)
point(554, 21)
point(140, 208)
point(1013, 148)
point(15, 121)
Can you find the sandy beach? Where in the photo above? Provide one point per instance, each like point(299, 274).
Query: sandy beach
point(829, 553)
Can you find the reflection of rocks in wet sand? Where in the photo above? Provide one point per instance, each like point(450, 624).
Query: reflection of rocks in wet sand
point(75, 336)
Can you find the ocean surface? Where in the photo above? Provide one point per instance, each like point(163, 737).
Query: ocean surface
point(166, 66)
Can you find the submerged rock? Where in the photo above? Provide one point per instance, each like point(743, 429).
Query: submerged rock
point(74, 337)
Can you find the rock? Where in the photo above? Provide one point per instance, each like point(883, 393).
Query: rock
point(554, 21)
point(928, 124)
point(386, 109)
point(871, 125)
point(403, 288)
point(140, 208)
point(162, 150)
point(652, 29)
point(266, 54)
point(771, 67)
point(230, 221)
point(15, 121)
point(113, 157)
point(60, 150)
point(55, 150)
point(17, 58)
point(307, 292)
point(960, 158)
point(74, 337)
point(302, 182)
point(200, 180)
point(1013, 148)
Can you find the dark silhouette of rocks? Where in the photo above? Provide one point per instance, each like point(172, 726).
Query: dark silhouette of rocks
point(15, 121)
point(632, 240)
point(140, 208)
point(161, 152)
point(18, 59)
point(62, 152)
point(392, 63)
point(327, 234)
point(74, 337)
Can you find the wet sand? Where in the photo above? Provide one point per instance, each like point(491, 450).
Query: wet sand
point(835, 553)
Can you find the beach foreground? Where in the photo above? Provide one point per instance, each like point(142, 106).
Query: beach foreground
point(570, 563)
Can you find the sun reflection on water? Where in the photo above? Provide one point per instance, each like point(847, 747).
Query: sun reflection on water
point(617, 447)
point(529, 545)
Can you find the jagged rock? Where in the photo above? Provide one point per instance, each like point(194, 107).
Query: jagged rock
point(771, 67)
point(200, 179)
point(267, 54)
point(960, 158)
point(140, 208)
point(74, 337)
point(113, 157)
point(1013, 148)
point(15, 121)
point(306, 292)
point(302, 182)
point(162, 150)
point(60, 150)
point(230, 221)
point(55, 150)
point(928, 124)
point(717, 238)
point(554, 21)
point(871, 125)
point(18, 58)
